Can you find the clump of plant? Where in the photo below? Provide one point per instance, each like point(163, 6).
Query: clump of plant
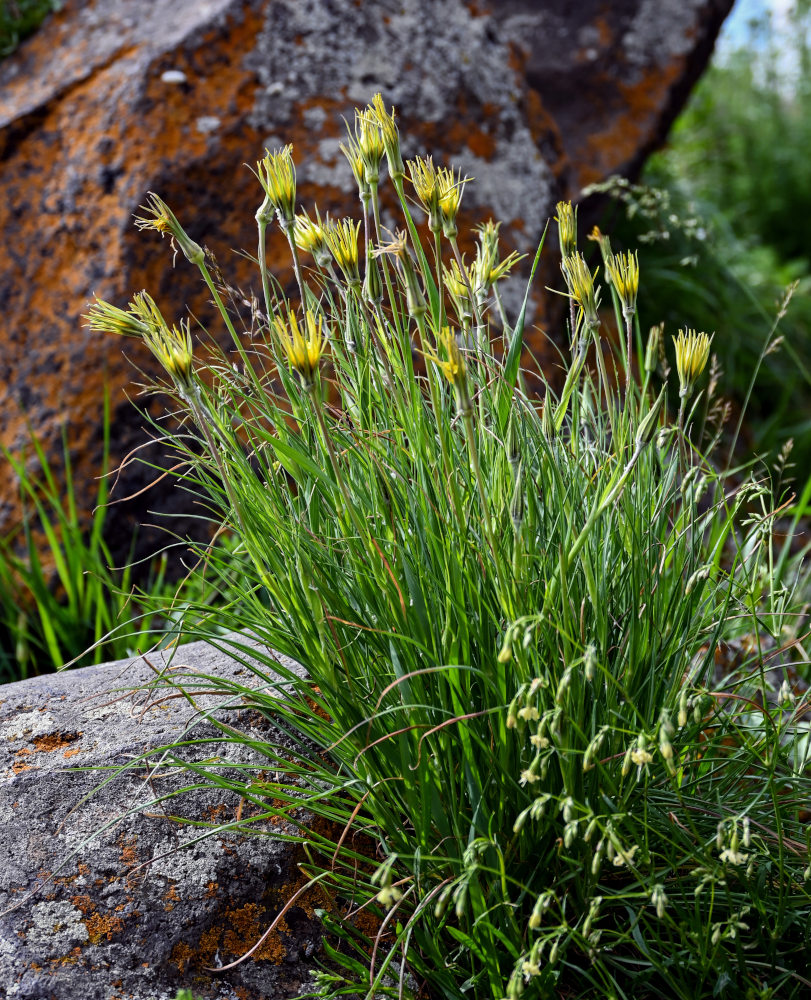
point(536, 767)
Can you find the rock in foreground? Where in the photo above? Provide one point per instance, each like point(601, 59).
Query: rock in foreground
point(126, 915)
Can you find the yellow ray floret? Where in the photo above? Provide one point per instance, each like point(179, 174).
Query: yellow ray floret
point(303, 348)
point(692, 352)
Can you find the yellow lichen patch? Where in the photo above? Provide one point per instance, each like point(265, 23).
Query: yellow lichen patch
point(214, 814)
point(127, 846)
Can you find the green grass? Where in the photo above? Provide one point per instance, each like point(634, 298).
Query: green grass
point(20, 18)
point(525, 764)
point(62, 601)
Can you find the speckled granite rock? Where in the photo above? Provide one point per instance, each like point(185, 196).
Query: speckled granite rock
point(533, 99)
point(126, 916)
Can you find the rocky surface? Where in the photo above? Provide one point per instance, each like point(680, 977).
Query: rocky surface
point(533, 99)
point(97, 900)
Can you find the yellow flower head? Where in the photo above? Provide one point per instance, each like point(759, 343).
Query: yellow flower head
point(458, 289)
point(603, 241)
point(157, 215)
point(450, 197)
point(567, 228)
point(310, 236)
point(277, 175)
point(161, 219)
point(453, 367)
point(425, 178)
point(342, 240)
point(622, 270)
point(302, 347)
point(487, 269)
point(692, 352)
point(102, 317)
point(171, 346)
point(581, 287)
point(370, 145)
point(376, 112)
point(352, 152)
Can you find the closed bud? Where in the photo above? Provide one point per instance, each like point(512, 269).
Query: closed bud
point(520, 822)
point(372, 287)
point(653, 347)
point(682, 720)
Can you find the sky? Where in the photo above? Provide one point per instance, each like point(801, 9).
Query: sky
point(734, 31)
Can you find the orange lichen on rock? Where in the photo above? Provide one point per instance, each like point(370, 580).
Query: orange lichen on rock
point(99, 925)
point(247, 925)
point(54, 741)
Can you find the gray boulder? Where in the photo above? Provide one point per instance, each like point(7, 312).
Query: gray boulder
point(98, 896)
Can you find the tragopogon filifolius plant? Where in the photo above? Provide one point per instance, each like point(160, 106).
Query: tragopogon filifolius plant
point(512, 608)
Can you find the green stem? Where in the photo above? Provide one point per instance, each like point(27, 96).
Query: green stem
point(473, 451)
point(288, 229)
point(629, 333)
point(315, 399)
point(395, 312)
point(463, 271)
point(263, 270)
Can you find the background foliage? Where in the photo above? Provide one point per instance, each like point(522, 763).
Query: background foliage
point(19, 18)
point(719, 216)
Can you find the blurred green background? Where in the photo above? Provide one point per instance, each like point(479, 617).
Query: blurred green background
point(720, 216)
